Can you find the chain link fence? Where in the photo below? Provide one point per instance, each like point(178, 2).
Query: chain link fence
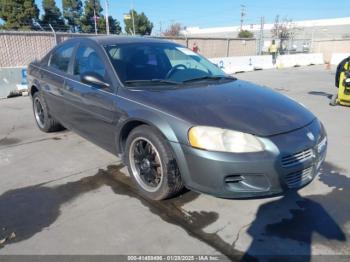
point(18, 49)
point(285, 47)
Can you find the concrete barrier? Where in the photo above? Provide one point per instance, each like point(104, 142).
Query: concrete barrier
point(12, 80)
point(283, 61)
point(262, 62)
point(299, 60)
point(235, 64)
point(338, 57)
point(232, 65)
point(309, 59)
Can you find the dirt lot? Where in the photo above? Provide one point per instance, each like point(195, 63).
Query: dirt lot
point(60, 194)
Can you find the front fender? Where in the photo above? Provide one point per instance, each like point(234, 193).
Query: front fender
point(173, 130)
point(135, 105)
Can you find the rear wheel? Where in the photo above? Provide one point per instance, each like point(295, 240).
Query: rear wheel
point(42, 118)
point(152, 164)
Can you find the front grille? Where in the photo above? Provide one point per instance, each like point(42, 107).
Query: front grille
point(299, 178)
point(296, 158)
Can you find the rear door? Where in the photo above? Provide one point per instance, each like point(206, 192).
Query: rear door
point(90, 110)
point(53, 78)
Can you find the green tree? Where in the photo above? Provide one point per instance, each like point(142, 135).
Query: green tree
point(143, 26)
point(18, 14)
point(87, 20)
point(114, 26)
point(245, 34)
point(72, 11)
point(52, 15)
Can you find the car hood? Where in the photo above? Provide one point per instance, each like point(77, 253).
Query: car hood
point(236, 105)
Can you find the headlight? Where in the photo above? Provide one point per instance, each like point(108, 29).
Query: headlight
point(218, 139)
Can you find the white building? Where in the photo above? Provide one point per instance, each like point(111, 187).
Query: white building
point(336, 28)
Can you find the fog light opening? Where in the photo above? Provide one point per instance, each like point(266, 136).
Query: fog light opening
point(234, 179)
point(247, 183)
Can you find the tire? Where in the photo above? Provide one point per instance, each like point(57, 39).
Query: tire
point(160, 159)
point(43, 120)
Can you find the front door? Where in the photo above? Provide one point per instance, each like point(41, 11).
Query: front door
point(53, 79)
point(90, 109)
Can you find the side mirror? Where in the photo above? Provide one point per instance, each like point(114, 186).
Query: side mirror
point(91, 78)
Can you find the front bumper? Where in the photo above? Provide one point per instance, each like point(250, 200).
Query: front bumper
point(291, 160)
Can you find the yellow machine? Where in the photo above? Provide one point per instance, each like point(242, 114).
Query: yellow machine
point(342, 82)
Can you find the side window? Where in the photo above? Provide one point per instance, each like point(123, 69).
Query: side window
point(61, 57)
point(87, 60)
point(114, 52)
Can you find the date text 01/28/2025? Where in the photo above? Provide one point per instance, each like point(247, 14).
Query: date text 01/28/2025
point(174, 258)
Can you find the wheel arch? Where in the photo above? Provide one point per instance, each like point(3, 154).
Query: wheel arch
point(33, 90)
point(164, 124)
point(34, 87)
point(124, 132)
point(127, 127)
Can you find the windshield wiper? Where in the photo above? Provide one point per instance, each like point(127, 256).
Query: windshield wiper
point(171, 82)
point(145, 81)
point(210, 78)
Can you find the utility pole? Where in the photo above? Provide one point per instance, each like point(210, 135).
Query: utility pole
point(277, 25)
point(243, 13)
point(107, 17)
point(132, 17)
point(261, 41)
point(95, 18)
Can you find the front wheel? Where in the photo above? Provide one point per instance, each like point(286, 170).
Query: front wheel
point(152, 164)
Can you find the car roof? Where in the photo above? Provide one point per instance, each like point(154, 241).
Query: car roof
point(110, 40)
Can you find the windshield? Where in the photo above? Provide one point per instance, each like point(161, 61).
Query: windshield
point(160, 63)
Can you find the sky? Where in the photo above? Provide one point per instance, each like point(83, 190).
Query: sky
point(212, 13)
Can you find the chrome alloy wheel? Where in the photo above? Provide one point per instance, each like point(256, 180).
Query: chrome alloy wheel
point(39, 113)
point(145, 164)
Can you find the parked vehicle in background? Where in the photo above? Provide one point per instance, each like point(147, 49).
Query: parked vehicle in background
point(176, 119)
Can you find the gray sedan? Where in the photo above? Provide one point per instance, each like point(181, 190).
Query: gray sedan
point(176, 119)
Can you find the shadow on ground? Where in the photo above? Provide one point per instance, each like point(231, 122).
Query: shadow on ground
point(318, 93)
point(287, 227)
point(27, 211)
